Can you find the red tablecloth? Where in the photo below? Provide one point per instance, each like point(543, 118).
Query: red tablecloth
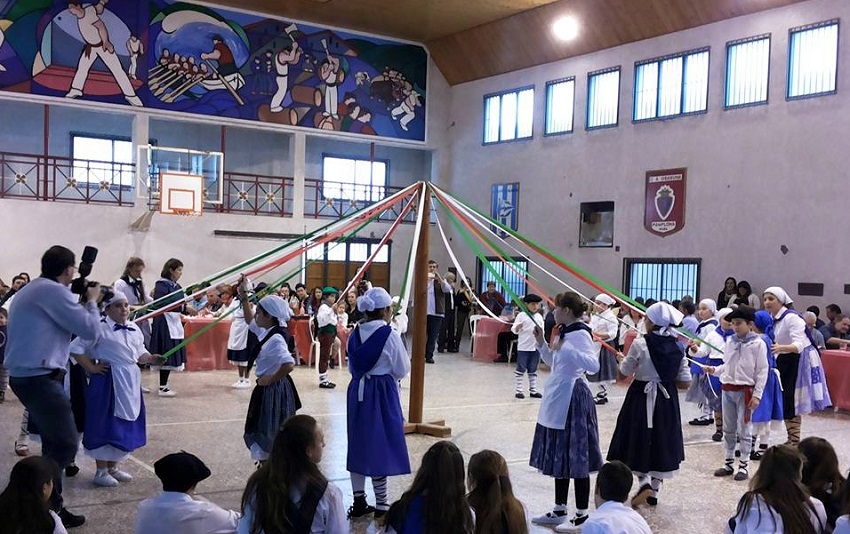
point(299, 327)
point(627, 344)
point(836, 365)
point(487, 331)
point(208, 352)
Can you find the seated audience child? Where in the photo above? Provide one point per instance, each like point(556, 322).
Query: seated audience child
point(491, 496)
point(24, 503)
point(778, 501)
point(842, 525)
point(289, 493)
point(176, 509)
point(822, 476)
point(436, 501)
point(612, 516)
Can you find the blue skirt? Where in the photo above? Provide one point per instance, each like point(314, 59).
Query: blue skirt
point(770, 406)
point(269, 407)
point(161, 343)
point(102, 427)
point(571, 452)
point(376, 444)
point(607, 367)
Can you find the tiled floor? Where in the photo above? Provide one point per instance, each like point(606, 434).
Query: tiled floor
point(475, 399)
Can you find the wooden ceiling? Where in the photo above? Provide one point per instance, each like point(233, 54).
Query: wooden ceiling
point(473, 39)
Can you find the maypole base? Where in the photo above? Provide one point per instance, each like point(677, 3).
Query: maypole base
point(437, 429)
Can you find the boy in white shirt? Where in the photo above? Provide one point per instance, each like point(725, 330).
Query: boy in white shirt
point(612, 516)
point(527, 356)
point(326, 321)
point(743, 376)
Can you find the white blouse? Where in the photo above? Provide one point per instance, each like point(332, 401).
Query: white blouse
point(791, 331)
point(330, 516)
point(273, 354)
point(760, 518)
point(569, 362)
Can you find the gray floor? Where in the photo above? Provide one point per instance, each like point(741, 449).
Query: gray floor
point(475, 399)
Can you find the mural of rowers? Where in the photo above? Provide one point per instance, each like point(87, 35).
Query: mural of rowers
point(226, 73)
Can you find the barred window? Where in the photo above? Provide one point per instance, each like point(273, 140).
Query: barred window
point(747, 71)
point(813, 60)
point(509, 115)
point(661, 278)
point(672, 85)
point(560, 101)
point(603, 98)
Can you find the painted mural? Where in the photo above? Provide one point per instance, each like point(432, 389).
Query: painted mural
point(182, 57)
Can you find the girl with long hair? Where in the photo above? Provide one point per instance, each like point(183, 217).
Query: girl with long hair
point(289, 494)
point(436, 501)
point(730, 289)
point(167, 331)
point(822, 476)
point(744, 297)
point(778, 501)
point(566, 438)
point(24, 503)
point(491, 495)
point(130, 283)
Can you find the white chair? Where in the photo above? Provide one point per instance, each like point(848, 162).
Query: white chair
point(473, 319)
point(511, 350)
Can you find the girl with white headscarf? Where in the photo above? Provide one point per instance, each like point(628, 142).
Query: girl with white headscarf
point(648, 435)
point(800, 372)
point(605, 328)
point(377, 360)
point(705, 389)
point(274, 398)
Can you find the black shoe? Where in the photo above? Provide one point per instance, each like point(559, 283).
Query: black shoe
point(644, 493)
point(453, 351)
point(327, 385)
point(755, 456)
point(501, 359)
point(600, 400)
point(519, 396)
point(737, 454)
point(578, 520)
point(332, 364)
point(652, 501)
point(717, 436)
point(360, 508)
point(535, 395)
point(724, 471)
point(71, 470)
point(380, 513)
point(441, 349)
point(70, 520)
point(429, 360)
point(700, 422)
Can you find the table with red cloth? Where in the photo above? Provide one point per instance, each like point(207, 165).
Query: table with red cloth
point(836, 366)
point(299, 327)
point(487, 330)
point(207, 352)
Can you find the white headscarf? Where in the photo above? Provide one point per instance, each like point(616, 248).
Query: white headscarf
point(780, 294)
point(375, 298)
point(664, 316)
point(710, 304)
point(723, 312)
point(117, 296)
point(602, 298)
point(276, 307)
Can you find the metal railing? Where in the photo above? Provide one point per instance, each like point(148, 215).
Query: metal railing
point(255, 194)
point(324, 199)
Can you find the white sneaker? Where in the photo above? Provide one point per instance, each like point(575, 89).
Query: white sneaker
point(120, 476)
point(550, 519)
point(242, 384)
point(166, 392)
point(146, 390)
point(237, 384)
point(105, 480)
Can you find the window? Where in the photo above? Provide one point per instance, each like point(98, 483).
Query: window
point(358, 252)
point(353, 179)
point(664, 278)
point(508, 116)
point(597, 224)
point(560, 100)
point(747, 71)
point(516, 282)
point(102, 159)
point(813, 60)
point(672, 85)
point(603, 98)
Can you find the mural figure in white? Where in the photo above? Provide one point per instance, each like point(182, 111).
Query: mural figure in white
point(136, 49)
point(282, 60)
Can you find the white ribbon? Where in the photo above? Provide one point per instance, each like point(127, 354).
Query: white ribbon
point(361, 386)
point(651, 391)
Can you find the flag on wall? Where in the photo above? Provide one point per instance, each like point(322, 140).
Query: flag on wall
point(664, 201)
point(504, 206)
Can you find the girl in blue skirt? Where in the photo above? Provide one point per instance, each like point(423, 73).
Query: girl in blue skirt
point(566, 439)
point(770, 407)
point(377, 360)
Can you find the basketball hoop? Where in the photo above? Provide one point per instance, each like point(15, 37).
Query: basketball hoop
point(181, 194)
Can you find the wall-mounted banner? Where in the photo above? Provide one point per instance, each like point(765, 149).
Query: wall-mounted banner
point(504, 206)
point(182, 57)
point(664, 210)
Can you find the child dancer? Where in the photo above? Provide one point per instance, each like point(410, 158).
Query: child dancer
point(326, 321)
point(803, 381)
point(167, 330)
point(377, 360)
point(704, 389)
point(770, 407)
point(566, 438)
point(274, 398)
point(527, 356)
point(605, 327)
point(491, 496)
point(115, 410)
point(648, 435)
point(743, 375)
point(241, 340)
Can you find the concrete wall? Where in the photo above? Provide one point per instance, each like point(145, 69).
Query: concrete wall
point(758, 178)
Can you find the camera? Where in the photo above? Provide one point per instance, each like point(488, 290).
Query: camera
point(80, 284)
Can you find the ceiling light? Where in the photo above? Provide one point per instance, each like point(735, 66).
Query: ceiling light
point(566, 28)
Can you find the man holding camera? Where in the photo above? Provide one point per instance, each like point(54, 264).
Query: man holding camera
point(41, 321)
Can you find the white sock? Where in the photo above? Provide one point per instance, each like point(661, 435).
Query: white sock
point(101, 472)
point(560, 508)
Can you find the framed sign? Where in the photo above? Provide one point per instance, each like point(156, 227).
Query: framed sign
point(504, 205)
point(664, 209)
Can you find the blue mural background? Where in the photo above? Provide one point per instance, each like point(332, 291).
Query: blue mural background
point(187, 58)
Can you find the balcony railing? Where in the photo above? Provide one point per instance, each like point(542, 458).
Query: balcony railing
point(255, 194)
point(335, 200)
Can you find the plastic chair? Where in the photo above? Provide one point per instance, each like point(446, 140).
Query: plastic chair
point(315, 347)
point(473, 319)
point(511, 350)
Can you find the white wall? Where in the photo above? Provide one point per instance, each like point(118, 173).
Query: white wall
point(758, 177)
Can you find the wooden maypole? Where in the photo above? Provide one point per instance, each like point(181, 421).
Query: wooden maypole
point(419, 325)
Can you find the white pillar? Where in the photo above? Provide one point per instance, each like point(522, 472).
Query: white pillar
point(298, 147)
point(141, 137)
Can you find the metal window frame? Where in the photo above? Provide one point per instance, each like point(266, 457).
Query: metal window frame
point(628, 262)
point(800, 29)
point(500, 94)
point(480, 270)
point(659, 60)
point(590, 76)
point(745, 40)
point(546, 112)
point(385, 161)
